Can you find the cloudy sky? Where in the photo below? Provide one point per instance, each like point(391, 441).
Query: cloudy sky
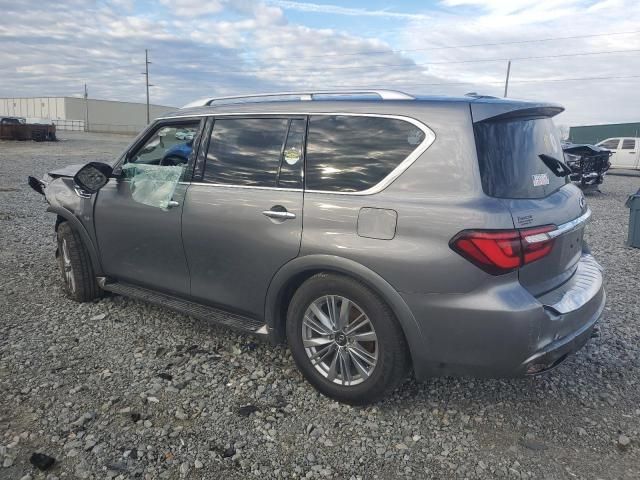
point(217, 47)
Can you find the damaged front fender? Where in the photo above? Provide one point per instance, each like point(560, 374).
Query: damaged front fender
point(69, 206)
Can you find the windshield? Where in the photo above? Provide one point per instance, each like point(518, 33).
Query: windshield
point(517, 156)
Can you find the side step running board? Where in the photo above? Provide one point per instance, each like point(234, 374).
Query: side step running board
point(202, 312)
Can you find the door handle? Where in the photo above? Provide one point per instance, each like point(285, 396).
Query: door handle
point(173, 203)
point(279, 214)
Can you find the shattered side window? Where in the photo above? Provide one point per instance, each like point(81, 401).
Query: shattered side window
point(153, 185)
point(155, 168)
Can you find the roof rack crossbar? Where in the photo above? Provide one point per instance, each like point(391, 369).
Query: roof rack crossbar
point(306, 95)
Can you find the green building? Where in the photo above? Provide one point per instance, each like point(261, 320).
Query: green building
point(596, 133)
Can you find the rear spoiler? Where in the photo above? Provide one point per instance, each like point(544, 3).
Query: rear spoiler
point(498, 109)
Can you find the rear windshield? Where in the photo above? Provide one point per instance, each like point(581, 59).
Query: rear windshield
point(509, 156)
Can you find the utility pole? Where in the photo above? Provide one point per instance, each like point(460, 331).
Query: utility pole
point(506, 82)
point(146, 75)
point(86, 108)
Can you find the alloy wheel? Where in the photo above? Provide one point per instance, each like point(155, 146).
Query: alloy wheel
point(340, 340)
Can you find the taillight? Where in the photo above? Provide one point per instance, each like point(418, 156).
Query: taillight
point(502, 251)
point(536, 243)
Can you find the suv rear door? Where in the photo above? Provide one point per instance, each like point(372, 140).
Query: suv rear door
point(516, 156)
point(242, 218)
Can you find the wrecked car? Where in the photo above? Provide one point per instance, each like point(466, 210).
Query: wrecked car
point(588, 164)
point(441, 235)
point(17, 128)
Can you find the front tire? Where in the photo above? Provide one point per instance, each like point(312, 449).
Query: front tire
point(75, 265)
point(345, 340)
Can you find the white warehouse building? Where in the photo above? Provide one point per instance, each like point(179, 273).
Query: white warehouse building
point(74, 113)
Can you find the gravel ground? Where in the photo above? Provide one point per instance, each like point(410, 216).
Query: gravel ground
point(121, 389)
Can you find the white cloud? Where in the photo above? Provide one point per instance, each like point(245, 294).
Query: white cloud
point(494, 21)
point(338, 10)
point(245, 46)
point(193, 8)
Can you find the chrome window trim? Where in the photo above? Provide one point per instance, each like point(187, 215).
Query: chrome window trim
point(226, 185)
point(429, 138)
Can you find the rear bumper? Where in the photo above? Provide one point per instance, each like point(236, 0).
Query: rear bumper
point(557, 351)
point(502, 330)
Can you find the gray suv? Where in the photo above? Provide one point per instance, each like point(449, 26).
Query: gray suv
point(374, 231)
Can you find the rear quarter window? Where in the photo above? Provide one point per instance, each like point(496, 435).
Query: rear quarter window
point(354, 153)
point(509, 157)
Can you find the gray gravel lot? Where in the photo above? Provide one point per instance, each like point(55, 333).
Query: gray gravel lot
point(122, 389)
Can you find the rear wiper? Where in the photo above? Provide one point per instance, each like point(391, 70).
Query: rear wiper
point(558, 167)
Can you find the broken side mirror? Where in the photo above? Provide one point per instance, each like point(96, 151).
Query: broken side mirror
point(93, 176)
point(37, 184)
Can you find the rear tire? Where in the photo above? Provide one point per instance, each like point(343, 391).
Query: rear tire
point(75, 265)
point(351, 364)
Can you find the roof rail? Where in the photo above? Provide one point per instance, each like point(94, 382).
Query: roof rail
point(478, 95)
point(307, 95)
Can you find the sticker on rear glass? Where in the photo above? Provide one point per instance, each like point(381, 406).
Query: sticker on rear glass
point(540, 179)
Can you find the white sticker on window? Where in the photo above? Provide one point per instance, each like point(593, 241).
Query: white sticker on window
point(291, 156)
point(540, 179)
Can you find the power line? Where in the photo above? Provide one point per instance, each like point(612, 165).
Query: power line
point(536, 57)
point(412, 64)
point(499, 82)
point(473, 45)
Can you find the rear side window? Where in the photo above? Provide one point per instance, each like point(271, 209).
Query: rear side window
point(628, 144)
point(245, 151)
point(509, 154)
point(354, 153)
point(611, 144)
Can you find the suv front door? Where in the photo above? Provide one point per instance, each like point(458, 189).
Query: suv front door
point(138, 214)
point(242, 218)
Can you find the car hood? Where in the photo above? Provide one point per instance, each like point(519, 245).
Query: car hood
point(584, 149)
point(68, 171)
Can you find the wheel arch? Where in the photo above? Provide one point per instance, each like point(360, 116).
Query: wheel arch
point(64, 215)
point(286, 281)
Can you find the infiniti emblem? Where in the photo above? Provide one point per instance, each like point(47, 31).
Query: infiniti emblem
point(582, 201)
